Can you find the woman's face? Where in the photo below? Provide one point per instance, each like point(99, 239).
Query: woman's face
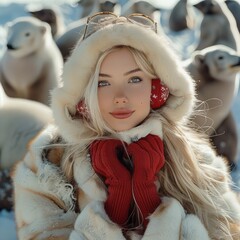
point(123, 91)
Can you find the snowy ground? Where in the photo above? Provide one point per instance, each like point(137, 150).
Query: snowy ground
point(184, 42)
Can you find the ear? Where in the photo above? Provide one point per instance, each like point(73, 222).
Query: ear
point(8, 25)
point(44, 27)
point(198, 58)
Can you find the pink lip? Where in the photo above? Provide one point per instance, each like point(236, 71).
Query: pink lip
point(122, 114)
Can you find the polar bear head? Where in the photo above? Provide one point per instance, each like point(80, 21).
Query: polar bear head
point(26, 35)
point(221, 62)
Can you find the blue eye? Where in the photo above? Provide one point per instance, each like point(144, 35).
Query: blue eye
point(103, 83)
point(135, 80)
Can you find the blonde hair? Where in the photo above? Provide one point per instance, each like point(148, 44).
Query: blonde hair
point(188, 175)
point(91, 97)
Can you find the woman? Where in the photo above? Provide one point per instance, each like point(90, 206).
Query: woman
point(122, 161)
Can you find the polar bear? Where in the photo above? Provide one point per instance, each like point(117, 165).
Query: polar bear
point(218, 25)
point(21, 120)
point(215, 71)
point(32, 64)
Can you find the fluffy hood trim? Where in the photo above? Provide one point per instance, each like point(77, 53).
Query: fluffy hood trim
point(81, 65)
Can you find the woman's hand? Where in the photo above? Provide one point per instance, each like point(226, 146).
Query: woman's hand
point(118, 179)
point(148, 158)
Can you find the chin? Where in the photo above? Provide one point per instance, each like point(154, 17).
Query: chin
point(123, 128)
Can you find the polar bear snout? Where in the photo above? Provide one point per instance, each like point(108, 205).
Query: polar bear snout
point(10, 47)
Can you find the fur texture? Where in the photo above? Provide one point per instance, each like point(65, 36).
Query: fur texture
point(39, 203)
point(81, 65)
point(43, 196)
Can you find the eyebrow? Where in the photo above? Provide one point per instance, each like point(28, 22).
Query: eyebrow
point(125, 74)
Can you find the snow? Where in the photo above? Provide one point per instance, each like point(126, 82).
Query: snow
point(7, 226)
point(185, 43)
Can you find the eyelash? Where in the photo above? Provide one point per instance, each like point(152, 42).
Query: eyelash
point(105, 83)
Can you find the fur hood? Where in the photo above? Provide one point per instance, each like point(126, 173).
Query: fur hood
point(81, 65)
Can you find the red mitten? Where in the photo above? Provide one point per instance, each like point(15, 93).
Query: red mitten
point(148, 158)
point(117, 178)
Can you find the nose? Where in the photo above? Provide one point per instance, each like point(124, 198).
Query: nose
point(120, 100)
point(10, 46)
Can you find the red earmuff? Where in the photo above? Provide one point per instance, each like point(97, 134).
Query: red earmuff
point(159, 95)
point(82, 109)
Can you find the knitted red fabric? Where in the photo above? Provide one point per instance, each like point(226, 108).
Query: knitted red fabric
point(148, 158)
point(147, 155)
point(117, 178)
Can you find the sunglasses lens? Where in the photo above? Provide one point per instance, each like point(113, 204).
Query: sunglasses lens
point(142, 20)
point(97, 21)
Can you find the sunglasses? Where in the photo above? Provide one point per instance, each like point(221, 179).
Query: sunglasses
point(100, 19)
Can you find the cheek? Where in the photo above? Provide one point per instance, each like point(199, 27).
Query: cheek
point(145, 96)
point(103, 99)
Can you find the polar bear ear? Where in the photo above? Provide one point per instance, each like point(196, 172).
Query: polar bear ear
point(8, 25)
point(198, 58)
point(44, 27)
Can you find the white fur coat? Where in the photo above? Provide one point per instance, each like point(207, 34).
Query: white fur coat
point(45, 204)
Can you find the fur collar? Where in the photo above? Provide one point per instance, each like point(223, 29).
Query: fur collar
point(149, 126)
point(81, 65)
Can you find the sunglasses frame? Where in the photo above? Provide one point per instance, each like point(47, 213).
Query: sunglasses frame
point(116, 16)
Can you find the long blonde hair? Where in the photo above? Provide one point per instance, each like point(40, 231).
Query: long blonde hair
point(190, 177)
point(188, 174)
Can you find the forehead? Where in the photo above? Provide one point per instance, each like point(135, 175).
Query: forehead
point(121, 59)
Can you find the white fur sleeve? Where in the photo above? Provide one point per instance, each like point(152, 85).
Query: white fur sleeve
point(170, 222)
point(43, 199)
point(94, 224)
point(39, 214)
